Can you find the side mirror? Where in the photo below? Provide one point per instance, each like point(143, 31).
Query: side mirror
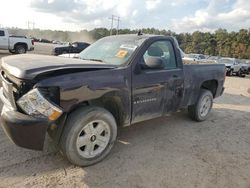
point(154, 62)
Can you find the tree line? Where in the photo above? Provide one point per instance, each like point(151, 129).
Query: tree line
point(218, 43)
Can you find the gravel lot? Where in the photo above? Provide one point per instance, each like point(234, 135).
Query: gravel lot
point(165, 152)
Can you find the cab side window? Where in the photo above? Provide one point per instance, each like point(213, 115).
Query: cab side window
point(1, 33)
point(163, 50)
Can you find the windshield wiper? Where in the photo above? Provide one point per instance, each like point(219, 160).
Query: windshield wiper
point(96, 60)
point(99, 60)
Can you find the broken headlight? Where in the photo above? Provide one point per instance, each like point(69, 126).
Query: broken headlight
point(35, 104)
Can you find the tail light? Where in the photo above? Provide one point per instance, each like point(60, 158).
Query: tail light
point(32, 42)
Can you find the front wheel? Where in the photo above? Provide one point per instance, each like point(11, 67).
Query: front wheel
point(88, 136)
point(12, 51)
point(239, 73)
point(200, 110)
point(230, 73)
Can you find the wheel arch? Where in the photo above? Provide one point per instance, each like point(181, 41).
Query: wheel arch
point(211, 85)
point(114, 102)
point(21, 43)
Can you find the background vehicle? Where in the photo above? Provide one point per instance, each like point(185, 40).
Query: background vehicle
point(117, 81)
point(214, 59)
point(232, 66)
point(73, 55)
point(245, 66)
point(45, 41)
point(56, 42)
point(15, 44)
point(75, 47)
point(194, 57)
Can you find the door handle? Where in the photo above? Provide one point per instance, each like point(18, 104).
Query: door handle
point(175, 76)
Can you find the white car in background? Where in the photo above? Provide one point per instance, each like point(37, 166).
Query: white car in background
point(73, 55)
point(232, 66)
point(194, 57)
point(15, 44)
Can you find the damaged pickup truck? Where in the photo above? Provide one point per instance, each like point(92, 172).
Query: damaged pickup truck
point(117, 81)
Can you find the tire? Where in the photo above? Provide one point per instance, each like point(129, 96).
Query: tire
point(81, 135)
point(239, 73)
point(12, 51)
point(200, 110)
point(230, 73)
point(20, 49)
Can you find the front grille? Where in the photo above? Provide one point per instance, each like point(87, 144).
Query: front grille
point(8, 91)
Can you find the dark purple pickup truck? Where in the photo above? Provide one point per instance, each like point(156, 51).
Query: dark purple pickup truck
point(117, 81)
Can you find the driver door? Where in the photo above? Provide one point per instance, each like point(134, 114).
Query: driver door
point(154, 90)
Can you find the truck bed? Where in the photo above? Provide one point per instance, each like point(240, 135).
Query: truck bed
point(196, 74)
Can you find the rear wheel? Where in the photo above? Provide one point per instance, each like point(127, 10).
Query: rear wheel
point(243, 75)
point(200, 110)
point(88, 136)
point(20, 49)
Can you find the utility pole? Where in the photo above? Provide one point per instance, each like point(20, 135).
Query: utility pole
point(118, 24)
point(115, 18)
point(31, 25)
point(112, 21)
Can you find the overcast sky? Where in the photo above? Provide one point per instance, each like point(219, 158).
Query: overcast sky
point(178, 15)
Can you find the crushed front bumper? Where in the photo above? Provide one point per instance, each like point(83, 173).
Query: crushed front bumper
point(24, 130)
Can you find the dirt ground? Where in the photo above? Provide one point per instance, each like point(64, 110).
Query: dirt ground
point(166, 152)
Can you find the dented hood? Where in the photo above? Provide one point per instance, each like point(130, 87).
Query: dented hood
point(28, 66)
